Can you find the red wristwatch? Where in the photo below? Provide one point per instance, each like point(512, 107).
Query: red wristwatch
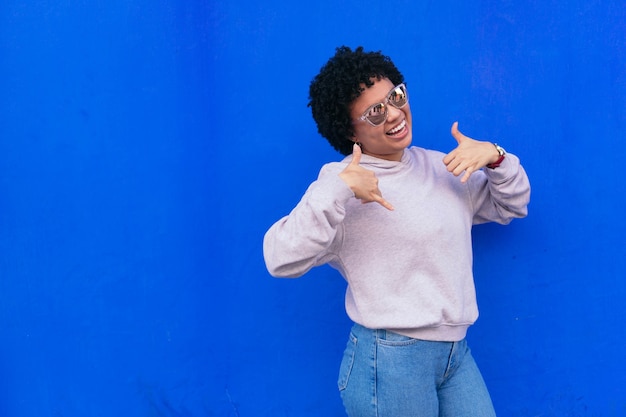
point(502, 152)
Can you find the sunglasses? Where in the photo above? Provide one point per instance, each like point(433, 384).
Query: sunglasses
point(376, 114)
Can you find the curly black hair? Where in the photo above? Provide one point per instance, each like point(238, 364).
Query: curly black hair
point(338, 84)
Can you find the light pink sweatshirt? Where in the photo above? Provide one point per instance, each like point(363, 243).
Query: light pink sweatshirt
point(408, 270)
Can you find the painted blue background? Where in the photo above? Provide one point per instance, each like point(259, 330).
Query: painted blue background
point(146, 146)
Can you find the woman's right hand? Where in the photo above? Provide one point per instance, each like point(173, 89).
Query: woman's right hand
point(363, 182)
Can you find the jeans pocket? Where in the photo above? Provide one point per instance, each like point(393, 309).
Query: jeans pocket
point(347, 362)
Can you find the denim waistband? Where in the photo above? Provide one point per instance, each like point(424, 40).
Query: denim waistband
point(363, 333)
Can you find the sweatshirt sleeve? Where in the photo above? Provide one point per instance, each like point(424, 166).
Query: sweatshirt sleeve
point(305, 238)
point(504, 195)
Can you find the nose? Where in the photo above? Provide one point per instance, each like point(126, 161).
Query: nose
point(394, 112)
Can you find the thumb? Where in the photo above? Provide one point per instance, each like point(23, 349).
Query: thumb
point(456, 133)
point(356, 154)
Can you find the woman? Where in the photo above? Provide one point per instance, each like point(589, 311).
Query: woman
point(396, 222)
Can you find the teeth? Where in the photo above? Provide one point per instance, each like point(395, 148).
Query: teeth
point(397, 128)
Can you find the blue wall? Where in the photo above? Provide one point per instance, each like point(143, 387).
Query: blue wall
point(146, 146)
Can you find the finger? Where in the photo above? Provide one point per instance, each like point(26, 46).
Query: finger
point(452, 163)
point(356, 154)
point(468, 173)
point(383, 203)
point(461, 168)
point(456, 133)
point(456, 167)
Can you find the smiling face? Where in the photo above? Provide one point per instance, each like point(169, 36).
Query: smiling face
point(388, 140)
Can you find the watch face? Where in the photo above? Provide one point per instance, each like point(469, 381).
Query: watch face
point(500, 149)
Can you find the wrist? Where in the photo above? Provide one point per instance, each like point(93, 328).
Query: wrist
point(501, 154)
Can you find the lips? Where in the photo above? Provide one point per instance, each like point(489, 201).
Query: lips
point(397, 129)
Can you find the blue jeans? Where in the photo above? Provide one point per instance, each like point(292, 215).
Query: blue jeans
point(384, 374)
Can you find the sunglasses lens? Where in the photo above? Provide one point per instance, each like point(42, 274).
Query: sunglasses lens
point(398, 96)
point(377, 114)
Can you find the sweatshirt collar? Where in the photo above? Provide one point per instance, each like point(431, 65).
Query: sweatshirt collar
point(372, 161)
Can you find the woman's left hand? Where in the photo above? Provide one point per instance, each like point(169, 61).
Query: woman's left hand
point(470, 155)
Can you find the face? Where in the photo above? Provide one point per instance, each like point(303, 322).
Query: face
point(389, 139)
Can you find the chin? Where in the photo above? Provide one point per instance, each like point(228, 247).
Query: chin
point(406, 142)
